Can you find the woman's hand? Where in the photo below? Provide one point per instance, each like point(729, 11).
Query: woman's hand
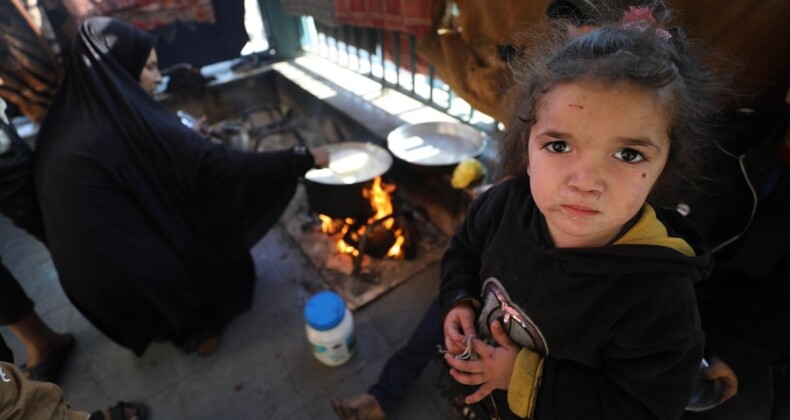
point(719, 370)
point(492, 370)
point(320, 156)
point(201, 127)
point(459, 324)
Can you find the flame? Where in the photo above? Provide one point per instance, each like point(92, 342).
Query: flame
point(379, 195)
point(332, 226)
point(395, 250)
point(327, 224)
point(344, 248)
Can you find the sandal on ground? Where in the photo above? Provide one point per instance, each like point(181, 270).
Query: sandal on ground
point(119, 409)
point(358, 407)
point(49, 370)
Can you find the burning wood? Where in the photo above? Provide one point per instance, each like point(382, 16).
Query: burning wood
point(381, 236)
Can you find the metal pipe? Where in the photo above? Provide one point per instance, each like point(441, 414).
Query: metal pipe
point(412, 61)
point(380, 49)
point(431, 76)
point(396, 52)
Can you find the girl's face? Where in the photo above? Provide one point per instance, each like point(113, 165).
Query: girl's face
point(150, 77)
point(595, 151)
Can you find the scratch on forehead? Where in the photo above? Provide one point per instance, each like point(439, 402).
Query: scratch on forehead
point(576, 106)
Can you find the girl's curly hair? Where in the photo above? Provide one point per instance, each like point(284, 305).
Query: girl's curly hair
point(643, 55)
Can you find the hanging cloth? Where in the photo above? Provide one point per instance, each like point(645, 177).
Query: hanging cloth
point(466, 49)
point(29, 69)
point(145, 14)
point(321, 10)
point(408, 16)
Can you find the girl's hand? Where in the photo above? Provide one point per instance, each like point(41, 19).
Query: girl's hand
point(492, 370)
point(719, 370)
point(459, 324)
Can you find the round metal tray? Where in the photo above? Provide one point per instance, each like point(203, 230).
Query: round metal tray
point(436, 144)
point(351, 163)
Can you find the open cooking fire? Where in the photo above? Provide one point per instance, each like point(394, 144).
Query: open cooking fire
point(381, 236)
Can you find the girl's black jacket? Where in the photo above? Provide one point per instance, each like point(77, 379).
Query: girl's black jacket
point(620, 322)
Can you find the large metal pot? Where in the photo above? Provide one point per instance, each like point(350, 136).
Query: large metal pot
point(435, 146)
point(336, 191)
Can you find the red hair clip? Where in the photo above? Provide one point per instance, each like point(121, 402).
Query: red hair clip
point(636, 14)
point(641, 16)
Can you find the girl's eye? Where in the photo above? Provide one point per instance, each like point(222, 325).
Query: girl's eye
point(558, 146)
point(629, 155)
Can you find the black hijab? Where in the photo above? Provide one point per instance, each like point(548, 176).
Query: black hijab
point(128, 46)
point(149, 224)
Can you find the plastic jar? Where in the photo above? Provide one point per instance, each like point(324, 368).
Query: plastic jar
point(330, 328)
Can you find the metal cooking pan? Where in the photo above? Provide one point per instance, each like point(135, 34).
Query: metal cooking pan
point(436, 146)
point(336, 191)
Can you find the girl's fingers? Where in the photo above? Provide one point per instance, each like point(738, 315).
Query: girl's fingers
point(467, 378)
point(482, 392)
point(500, 336)
point(456, 335)
point(453, 337)
point(481, 348)
point(468, 325)
point(468, 366)
point(454, 342)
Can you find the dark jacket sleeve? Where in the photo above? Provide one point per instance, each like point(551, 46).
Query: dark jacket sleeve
point(649, 366)
point(460, 272)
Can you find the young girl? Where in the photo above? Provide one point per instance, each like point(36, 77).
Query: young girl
point(579, 280)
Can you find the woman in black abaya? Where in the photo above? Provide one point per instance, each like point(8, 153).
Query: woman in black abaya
point(150, 224)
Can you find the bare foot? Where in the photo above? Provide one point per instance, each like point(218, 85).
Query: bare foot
point(51, 345)
point(358, 407)
point(40, 341)
point(47, 369)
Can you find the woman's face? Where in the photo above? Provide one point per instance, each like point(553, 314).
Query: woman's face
point(595, 152)
point(150, 77)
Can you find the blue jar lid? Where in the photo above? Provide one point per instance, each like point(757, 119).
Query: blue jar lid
point(325, 310)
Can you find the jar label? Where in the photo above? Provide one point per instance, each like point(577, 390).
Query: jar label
point(335, 354)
